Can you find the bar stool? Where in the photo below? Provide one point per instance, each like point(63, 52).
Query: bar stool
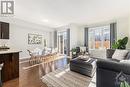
point(1, 66)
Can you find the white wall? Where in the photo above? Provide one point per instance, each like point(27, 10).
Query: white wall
point(123, 29)
point(51, 43)
point(76, 35)
point(19, 35)
point(81, 32)
point(129, 32)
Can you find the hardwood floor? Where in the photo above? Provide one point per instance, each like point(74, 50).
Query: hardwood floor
point(30, 75)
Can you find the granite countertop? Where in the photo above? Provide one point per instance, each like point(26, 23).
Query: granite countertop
point(9, 51)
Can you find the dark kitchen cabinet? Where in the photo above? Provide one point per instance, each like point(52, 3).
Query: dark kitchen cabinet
point(11, 66)
point(4, 30)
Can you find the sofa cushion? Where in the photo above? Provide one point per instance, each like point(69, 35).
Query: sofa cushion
point(113, 60)
point(125, 61)
point(120, 54)
point(128, 56)
point(110, 53)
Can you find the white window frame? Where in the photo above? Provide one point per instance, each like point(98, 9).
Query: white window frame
point(102, 39)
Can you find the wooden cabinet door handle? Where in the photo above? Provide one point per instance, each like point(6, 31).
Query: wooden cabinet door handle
point(2, 35)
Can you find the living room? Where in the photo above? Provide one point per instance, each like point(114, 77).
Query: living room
point(64, 43)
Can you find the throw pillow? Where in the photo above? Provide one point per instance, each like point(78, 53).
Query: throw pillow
point(120, 54)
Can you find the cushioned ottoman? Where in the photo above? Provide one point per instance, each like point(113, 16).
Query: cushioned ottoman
point(83, 66)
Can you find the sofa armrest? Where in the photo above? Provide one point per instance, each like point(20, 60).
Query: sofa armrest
point(114, 66)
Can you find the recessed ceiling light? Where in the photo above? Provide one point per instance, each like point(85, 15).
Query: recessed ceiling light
point(45, 20)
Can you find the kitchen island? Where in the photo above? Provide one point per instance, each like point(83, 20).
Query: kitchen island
point(10, 59)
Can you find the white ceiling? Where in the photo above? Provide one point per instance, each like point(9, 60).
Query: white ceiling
point(55, 13)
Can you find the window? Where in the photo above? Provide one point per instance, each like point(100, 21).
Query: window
point(99, 37)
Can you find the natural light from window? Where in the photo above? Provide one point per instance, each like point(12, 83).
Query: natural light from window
point(99, 37)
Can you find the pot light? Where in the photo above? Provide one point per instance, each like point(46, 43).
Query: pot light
point(45, 20)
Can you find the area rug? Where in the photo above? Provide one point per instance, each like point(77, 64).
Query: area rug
point(66, 78)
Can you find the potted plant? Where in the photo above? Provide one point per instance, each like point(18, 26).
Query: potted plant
point(121, 80)
point(120, 44)
point(73, 50)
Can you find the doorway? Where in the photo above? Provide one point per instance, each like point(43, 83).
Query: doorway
point(62, 42)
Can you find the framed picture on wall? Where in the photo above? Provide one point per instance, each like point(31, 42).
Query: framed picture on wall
point(34, 39)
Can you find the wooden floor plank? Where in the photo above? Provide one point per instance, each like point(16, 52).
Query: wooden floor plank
point(31, 76)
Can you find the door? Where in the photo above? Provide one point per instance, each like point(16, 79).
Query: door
point(62, 42)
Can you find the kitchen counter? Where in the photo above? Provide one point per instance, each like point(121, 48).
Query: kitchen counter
point(10, 59)
point(7, 51)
